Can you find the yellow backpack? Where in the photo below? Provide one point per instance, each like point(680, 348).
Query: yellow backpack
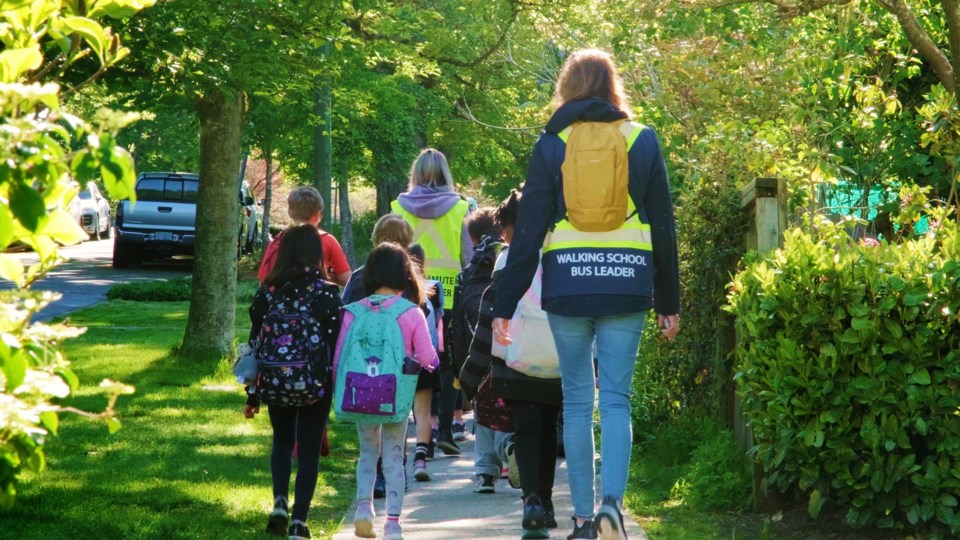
point(595, 175)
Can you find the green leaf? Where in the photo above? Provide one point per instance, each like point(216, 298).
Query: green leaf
point(63, 228)
point(920, 376)
point(118, 9)
point(914, 298)
point(6, 227)
point(68, 377)
point(815, 504)
point(27, 206)
point(16, 62)
point(119, 177)
point(113, 425)
point(11, 269)
point(921, 426)
point(90, 31)
point(15, 370)
point(50, 420)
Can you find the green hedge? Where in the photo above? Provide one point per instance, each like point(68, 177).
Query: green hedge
point(850, 374)
point(163, 290)
point(684, 378)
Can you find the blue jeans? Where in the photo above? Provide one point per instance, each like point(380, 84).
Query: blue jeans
point(617, 338)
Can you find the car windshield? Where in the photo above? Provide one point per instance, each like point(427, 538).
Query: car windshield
point(85, 195)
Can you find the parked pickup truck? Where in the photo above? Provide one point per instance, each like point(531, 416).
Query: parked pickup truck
point(162, 223)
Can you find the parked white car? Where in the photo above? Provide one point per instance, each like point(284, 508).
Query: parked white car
point(93, 212)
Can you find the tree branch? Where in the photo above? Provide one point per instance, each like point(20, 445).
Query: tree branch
point(920, 39)
point(952, 10)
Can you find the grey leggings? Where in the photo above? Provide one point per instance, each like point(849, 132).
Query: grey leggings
point(393, 437)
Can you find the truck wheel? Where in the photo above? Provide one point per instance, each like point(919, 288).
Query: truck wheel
point(122, 254)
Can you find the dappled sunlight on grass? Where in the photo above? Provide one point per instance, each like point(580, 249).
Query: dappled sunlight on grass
point(186, 461)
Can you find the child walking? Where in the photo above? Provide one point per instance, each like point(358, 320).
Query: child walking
point(389, 274)
point(295, 318)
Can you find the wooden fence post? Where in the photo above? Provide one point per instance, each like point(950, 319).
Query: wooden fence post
point(764, 203)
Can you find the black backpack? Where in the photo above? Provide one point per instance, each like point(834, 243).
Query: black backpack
point(467, 292)
point(292, 355)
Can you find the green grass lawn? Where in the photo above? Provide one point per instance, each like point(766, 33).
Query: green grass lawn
point(186, 463)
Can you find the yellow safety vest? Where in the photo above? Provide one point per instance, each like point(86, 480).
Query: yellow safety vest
point(440, 239)
point(614, 262)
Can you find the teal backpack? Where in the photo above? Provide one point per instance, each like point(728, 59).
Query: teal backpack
point(375, 381)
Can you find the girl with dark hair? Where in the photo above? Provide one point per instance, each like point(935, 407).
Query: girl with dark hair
point(389, 274)
point(297, 277)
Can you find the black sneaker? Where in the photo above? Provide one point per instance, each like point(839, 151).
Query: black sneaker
point(585, 531)
point(446, 443)
point(277, 522)
point(549, 518)
point(533, 523)
point(298, 531)
point(609, 520)
point(484, 483)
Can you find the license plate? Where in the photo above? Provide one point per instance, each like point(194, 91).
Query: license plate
point(164, 236)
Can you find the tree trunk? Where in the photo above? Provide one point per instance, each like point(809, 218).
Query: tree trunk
point(267, 198)
point(387, 191)
point(209, 333)
point(346, 219)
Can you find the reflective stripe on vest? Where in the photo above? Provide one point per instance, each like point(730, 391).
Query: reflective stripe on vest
point(440, 240)
point(614, 262)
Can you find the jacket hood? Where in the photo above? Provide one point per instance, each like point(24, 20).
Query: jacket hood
point(428, 202)
point(587, 110)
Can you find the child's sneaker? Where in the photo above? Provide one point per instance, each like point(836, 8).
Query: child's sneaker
point(392, 530)
point(363, 520)
point(459, 432)
point(609, 520)
point(277, 522)
point(583, 532)
point(514, 474)
point(420, 471)
point(484, 483)
point(298, 531)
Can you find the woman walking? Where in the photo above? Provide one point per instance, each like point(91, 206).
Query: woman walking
point(597, 200)
point(437, 213)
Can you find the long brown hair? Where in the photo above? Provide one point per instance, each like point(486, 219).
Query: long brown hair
point(591, 73)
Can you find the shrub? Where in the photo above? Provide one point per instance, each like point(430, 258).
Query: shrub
point(849, 372)
point(718, 476)
point(685, 377)
point(163, 290)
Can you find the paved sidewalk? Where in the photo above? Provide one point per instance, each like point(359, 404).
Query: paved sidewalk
point(446, 507)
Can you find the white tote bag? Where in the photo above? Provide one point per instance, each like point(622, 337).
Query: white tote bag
point(533, 351)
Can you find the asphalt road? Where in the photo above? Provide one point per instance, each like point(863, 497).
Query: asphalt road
point(87, 275)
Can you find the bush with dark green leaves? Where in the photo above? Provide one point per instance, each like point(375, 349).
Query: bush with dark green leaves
point(162, 290)
point(849, 370)
point(685, 377)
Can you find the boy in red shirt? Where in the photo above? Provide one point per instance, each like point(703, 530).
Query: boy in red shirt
point(305, 205)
